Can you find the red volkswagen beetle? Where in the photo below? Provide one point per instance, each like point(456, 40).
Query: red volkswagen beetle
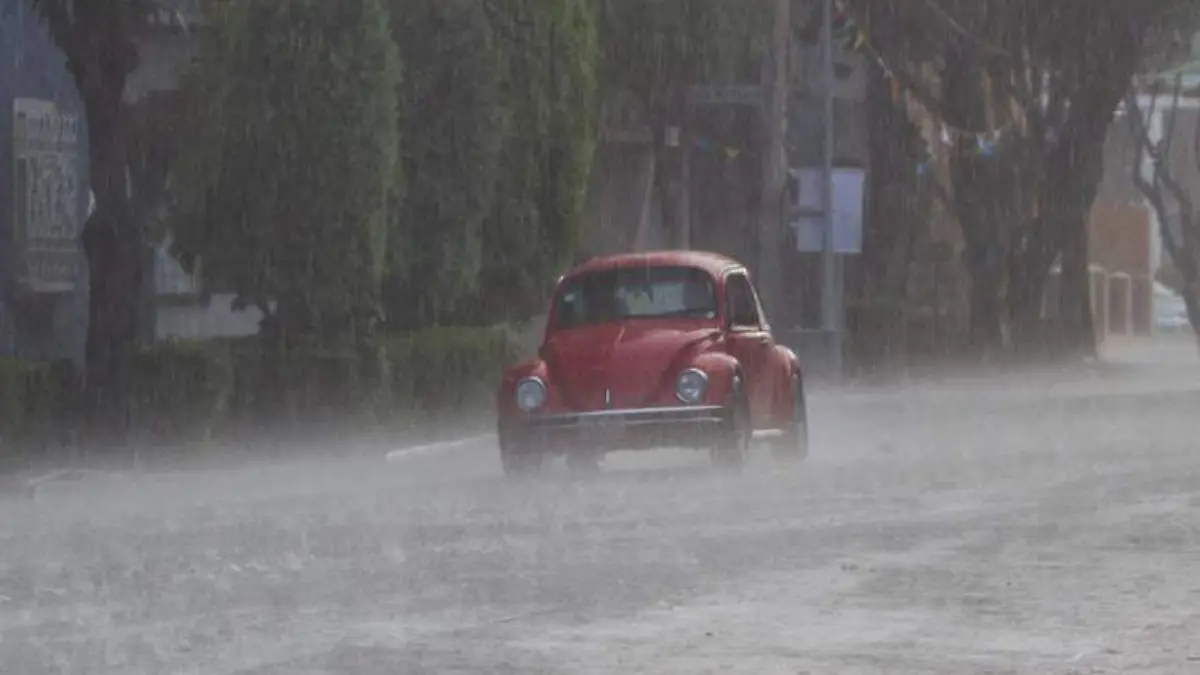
point(648, 350)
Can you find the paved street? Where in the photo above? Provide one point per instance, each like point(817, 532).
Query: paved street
point(1047, 525)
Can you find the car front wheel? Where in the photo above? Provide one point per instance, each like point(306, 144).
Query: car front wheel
point(518, 457)
point(734, 442)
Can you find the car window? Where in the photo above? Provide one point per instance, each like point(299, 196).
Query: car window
point(739, 301)
point(636, 293)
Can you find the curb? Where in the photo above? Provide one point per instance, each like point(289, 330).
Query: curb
point(440, 446)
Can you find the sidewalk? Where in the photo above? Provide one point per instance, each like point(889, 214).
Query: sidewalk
point(1126, 366)
point(145, 460)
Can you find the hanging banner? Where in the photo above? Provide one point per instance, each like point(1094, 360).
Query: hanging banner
point(46, 201)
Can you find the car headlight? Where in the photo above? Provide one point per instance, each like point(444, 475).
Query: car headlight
point(531, 394)
point(690, 386)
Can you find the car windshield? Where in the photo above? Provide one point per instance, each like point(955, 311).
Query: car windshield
point(636, 293)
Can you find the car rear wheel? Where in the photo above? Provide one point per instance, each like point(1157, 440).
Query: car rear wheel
point(792, 444)
point(518, 457)
point(734, 442)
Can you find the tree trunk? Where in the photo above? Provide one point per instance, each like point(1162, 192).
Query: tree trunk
point(113, 242)
point(1029, 266)
point(982, 190)
point(151, 142)
point(1076, 171)
point(897, 206)
point(1079, 333)
point(1027, 287)
point(986, 325)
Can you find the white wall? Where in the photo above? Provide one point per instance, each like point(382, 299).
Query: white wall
point(195, 321)
point(199, 322)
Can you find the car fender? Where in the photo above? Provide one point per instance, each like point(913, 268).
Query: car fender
point(794, 368)
point(786, 365)
point(691, 354)
point(721, 369)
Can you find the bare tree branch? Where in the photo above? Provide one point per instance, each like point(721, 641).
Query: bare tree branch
point(1168, 138)
point(1151, 190)
point(984, 45)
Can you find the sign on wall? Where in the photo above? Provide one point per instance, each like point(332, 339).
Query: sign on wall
point(727, 94)
point(808, 217)
point(46, 195)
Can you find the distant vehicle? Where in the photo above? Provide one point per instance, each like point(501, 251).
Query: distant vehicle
point(650, 350)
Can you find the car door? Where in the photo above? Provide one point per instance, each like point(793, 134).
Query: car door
point(750, 342)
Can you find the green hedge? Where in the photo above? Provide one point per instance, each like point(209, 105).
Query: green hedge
point(32, 396)
point(185, 392)
point(323, 386)
point(180, 390)
point(235, 388)
point(447, 368)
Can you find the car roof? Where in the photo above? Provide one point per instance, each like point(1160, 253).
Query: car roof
point(713, 263)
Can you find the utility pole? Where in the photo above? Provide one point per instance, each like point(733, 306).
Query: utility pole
point(831, 292)
point(774, 170)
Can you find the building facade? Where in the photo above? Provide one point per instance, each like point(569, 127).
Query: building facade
point(44, 195)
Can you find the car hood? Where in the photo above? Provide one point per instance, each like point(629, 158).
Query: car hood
point(629, 359)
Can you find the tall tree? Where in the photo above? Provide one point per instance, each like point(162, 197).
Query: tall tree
point(902, 187)
point(548, 61)
point(283, 188)
point(1050, 76)
point(450, 114)
point(100, 42)
point(1078, 60)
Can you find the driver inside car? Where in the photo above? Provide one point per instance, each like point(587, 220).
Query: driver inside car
point(638, 302)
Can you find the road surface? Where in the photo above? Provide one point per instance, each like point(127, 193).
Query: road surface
point(1023, 526)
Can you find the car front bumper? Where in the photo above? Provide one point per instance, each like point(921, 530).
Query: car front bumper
point(629, 429)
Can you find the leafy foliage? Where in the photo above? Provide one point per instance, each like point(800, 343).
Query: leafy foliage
point(548, 60)
point(497, 116)
point(448, 368)
point(35, 398)
point(181, 390)
point(189, 392)
point(450, 112)
point(284, 188)
point(1050, 76)
point(97, 34)
point(99, 40)
point(655, 48)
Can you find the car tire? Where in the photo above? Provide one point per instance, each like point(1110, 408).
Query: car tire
point(734, 442)
point(792, 444)
point(584, 463)
point(517, 456)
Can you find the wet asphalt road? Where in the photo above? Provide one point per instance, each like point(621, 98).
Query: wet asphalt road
point(1008, 527)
